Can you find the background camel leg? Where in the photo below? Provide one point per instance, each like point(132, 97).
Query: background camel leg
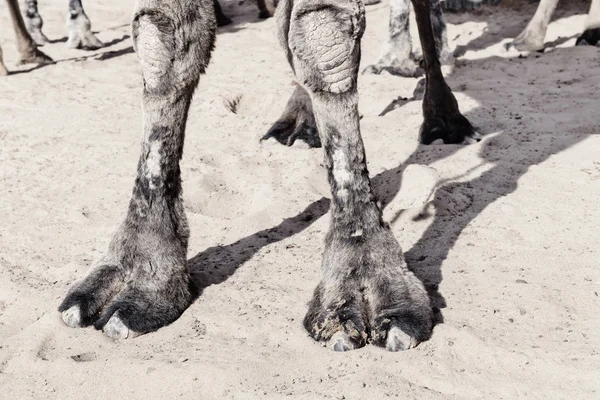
point(28, 51)
point(80, 29)
point(34, 22)
point(532, 38)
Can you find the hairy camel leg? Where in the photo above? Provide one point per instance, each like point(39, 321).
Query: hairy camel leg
point(142, 283)
point(367, 294)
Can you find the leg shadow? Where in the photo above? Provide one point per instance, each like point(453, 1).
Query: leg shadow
point(216, 264)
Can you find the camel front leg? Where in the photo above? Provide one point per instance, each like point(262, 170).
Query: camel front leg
point(367, 294)
point(142, 283)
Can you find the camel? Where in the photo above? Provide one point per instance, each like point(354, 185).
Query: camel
point(367, 293)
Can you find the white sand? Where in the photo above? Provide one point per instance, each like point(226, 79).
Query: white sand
point(511, 232)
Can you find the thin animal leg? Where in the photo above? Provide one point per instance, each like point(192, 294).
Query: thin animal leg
point(591, 35)
point(396, 54)
point(34, 22)
point(442, 118)
point(28, 51)
point(532, 38)
point(80, 29)
point(143, 283)
point(365, 277)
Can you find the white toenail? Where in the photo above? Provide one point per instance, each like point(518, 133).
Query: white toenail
point(72, 317)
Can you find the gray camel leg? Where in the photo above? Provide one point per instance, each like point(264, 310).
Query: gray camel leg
point(591, 34)
point(396, 55)
point(80, 33)
point(442, 118)
point(143, 283)
point(367, 294)
point(34, 22)
point(28, 51)
point(532, 38)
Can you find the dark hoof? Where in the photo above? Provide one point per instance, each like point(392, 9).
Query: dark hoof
point(223, 20)
point(296, 123)
point(455, 129)
point(590, 37)
point(135, 289)
point(287, 132)
point(125, 308)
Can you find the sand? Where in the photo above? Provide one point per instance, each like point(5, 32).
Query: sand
point(508, 227)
